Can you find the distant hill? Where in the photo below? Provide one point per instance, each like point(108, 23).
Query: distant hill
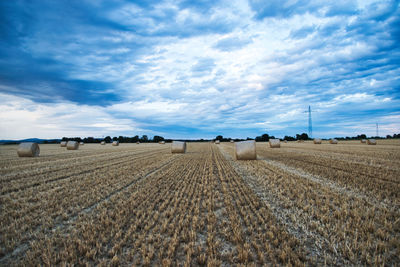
point(35, 140)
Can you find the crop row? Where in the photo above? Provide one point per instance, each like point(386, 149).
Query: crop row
point(34, 210)
point(340, 228)
point(195, 211)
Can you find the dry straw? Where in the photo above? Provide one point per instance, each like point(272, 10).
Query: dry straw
point(363, 141)
point(232, 141)
point(137, 142)
point(217, 142)
point(333, 141)
point(317, 141)
point(72, 145)
point(63, 144)
point(274, 143)
point(178, 147)
point(162, 142)
point(371, 141)
point(103, 143)
point(245, 150)
point(81, 143)
point(28, 150)
point(300, 141)
point(115, 143)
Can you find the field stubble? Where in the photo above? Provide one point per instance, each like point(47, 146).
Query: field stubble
point(142, 205)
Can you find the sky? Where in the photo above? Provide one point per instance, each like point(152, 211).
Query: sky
point(197, 69)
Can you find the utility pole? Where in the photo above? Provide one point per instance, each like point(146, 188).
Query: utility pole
point(310, 122)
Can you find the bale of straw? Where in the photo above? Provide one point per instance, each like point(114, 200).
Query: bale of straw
point(274, 143)
point(178, 147)
point(245, 150)
point(81, 143)
point(217, 142)
point(285, 141)
point(115, 143)
point(137, 142)
point(317, 141)
point(300, 141)
point(162, 142)
point(232, 141)
point(333, 141)
point(363, 141)
point(103, 143)
point(28, 150)
point(371, 141)
point(72, 145)
point(63, 144)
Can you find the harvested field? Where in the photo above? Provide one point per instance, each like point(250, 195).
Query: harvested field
point(103, 205)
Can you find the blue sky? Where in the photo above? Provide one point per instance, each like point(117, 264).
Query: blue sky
point(197, 69)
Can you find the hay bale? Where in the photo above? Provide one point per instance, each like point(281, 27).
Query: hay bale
point(232, 141)
point(178, 147)
point(371, 141)
point(300, 141)
point(72, 145)
point(81, 143)
point(245, 150)
point(274, 143)
point(217, 142)
point(317, 141)
point(363, 141)
point(63, 144)
point(162, 142)
point(333, 141)
point(115, 143)
point(28, 149)
point(285, 141)
point(103, 143)
point(137, 142)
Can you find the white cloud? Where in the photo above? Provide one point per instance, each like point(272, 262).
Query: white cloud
point(23, 118)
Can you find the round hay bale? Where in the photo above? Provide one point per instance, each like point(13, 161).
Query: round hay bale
point(72, 145)
point(217, 142)
point(137, 142)
point(28, 150)
point(81, 143)
point(363, 141)
point(115, 143)
point(63, 144)
point(178, 147)
point(103, 143)
point(274, 143)
point(333, 141)
point(162, 142)
point(317, 141)
point(371, 141)
point(232, 141)
point(285, 141)
point(245, 150)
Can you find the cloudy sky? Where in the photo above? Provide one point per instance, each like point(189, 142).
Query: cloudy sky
point(196, 69)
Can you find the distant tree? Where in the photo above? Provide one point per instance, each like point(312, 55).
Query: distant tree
point(135, 139)
point(157, 138)
point(64, 139)
point(107, 139)
point(302, 136)
point(115, 138)
point(144, 139)
point(122, 139)
point(361, 136)
point(289, 138)
point(219, 137)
